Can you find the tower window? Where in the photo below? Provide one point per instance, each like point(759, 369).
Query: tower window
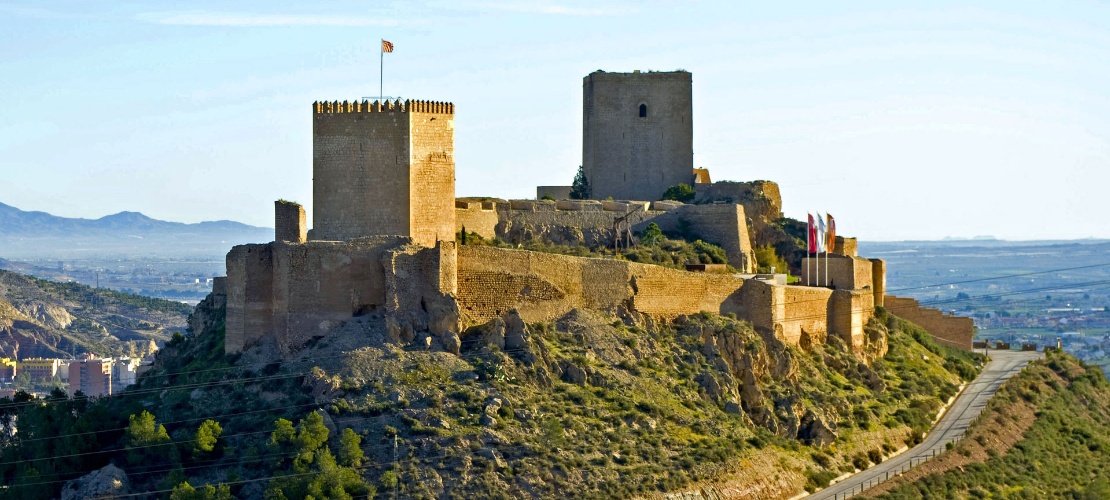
point(643, 111)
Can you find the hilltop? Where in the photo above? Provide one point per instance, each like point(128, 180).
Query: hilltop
point(42, 235)
point(601, 403)
point(40, 318)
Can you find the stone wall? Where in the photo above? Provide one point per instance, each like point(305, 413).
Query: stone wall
point(383, 169)
point(590, 223)
point(289, 222)
point(249, 295)
point(543, 287)
point(476, 219)
point(953, 331)
point(629, 156)
point(556, 192)
point(839, 271)
point(295, 292)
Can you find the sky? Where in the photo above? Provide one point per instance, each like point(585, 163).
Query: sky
point(904, 120)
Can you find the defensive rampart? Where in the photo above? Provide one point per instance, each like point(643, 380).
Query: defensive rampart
point(543, 287)
point(295, 292)
point(954, 331)
point(592, 223)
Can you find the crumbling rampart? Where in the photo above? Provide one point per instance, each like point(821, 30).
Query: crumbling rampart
point(295, 292)
point(543, 287)
point(592, 223)
point(953, 331)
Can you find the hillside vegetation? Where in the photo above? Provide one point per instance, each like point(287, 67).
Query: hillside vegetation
point(40, 318)
point(1045, 434)
point(602, 404)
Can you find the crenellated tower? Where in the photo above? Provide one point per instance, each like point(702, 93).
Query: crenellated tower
point(383, 168)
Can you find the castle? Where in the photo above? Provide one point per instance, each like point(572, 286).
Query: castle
point(385, 218)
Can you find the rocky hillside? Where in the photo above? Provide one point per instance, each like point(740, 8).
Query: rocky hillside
point(41, 318)
point(604, 404)
point(1044, 435)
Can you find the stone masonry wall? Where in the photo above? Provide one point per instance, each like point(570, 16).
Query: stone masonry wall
point(249, 295)
point(589, 224)
point(476, 219)
point(295, 292)
point(953, 331)
point(289, 222)
point(839, 271)
point(630, 157)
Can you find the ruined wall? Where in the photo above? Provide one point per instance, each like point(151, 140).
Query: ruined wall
point(953, 331)
point(630, 157)
point(724, 225)
point(849, 311)
point(323, 283)
point(295, 292)
point(556, 192)
point(383, 169)
point(476, 217)
point(289, 222)
point(839, 271)
point(542, 287)
point(590, 223)
point(878, 280)
point(249, 295)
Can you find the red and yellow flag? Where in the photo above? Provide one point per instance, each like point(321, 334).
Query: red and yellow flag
point(387, 46)
point(830, 234)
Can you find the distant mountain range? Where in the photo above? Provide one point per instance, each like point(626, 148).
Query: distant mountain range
point(41, 235)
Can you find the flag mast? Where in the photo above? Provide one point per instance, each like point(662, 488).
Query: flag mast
point(387, 46)
point(809, 229)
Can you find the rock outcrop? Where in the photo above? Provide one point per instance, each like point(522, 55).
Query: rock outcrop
point(107, 482)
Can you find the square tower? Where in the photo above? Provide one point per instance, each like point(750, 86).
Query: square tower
point(637, 133)
point(383, 169)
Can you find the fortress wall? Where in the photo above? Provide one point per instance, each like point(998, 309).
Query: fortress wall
point(803, 314)
point(670, 293)
point(323, 283)
point(476, 220)
point(543, 287)
point(557, 192)
point(723, 225)
point(953, 331)
point(249, 295)
point(431, 183)
point(878, 280)
point(289, 222)
point(849, 311)
point(842, 272)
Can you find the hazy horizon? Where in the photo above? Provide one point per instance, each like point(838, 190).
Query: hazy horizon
point(913, 122)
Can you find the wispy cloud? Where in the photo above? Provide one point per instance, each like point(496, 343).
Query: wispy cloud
point(547, 8)
point(249, 20)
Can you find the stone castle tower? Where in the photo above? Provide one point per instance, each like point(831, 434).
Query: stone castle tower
point(637, 133)
point(383, 169)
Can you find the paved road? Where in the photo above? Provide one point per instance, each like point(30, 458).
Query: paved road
point(1003, 365)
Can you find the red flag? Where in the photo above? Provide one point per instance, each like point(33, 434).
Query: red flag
point(811, 233)
point(387, 46)
point(831, 233)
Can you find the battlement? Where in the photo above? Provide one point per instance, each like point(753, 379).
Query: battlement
point(398, 106)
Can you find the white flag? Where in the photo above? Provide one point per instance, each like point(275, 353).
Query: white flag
point(820, 233)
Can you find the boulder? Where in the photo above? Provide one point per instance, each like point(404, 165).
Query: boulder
point(108, 482)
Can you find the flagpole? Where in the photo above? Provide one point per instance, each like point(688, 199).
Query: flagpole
point(381, 71)
point(817, 249)
point(809, 230)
